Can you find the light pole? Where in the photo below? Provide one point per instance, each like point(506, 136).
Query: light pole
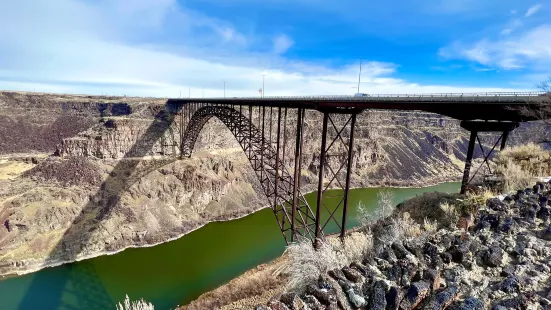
point(360, 75)
point(263, 76)
point(224, 89)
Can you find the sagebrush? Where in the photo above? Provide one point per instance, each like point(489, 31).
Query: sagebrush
point(519, 166)
point(135, 305)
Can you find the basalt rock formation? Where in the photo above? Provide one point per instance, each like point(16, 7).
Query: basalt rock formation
point(503, 261)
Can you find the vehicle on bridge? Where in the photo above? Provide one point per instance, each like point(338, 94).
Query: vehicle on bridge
point(361, 95)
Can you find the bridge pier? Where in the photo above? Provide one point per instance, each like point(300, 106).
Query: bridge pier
point(337, 132)
point(476, 127)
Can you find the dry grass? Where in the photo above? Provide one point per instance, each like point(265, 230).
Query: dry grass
point(520, 165)
point(306, 263)
point(135, 305)
point(10, 170)
point(428, 206)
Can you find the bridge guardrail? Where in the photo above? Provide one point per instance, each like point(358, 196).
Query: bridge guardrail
point(506, 96)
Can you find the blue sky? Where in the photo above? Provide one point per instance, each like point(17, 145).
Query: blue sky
point(305, 47)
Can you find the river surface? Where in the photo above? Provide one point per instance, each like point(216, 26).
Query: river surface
point(176, 272)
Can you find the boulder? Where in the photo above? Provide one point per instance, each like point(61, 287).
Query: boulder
point(493, 257)
point(378, 296)
point(313, 303)
point(292, 301)
point(496, 204)
point(277, 305)
point(352, 275)
point(510, 284)
point(393, 297)
point(432, 276)
point(324, 296)
point(441, 300)
point(355, 299)
point(416, 293)
point(471, 303)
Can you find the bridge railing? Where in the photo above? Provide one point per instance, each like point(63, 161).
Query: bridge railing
point(493, 96)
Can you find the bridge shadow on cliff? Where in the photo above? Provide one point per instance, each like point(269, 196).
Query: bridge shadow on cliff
point(101, 206)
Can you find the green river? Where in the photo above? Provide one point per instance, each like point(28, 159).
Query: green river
point(173, 273)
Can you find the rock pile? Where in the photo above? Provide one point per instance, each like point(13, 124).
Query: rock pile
point(502, 262)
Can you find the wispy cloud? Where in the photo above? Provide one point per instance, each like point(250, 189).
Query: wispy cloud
point(282, 43)
point(513, 25)
point(532, 10)
point(530, 49)
point(157, 48)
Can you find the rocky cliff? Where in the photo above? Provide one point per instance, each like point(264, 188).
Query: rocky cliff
point(151, 196)
point(499, 261)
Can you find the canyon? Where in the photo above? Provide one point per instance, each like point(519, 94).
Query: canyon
point(78, 179)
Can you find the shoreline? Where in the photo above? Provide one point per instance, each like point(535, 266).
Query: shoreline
point(147, 245)
point(57, 264)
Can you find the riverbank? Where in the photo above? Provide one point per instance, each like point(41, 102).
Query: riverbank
point(5, 273)
point(106, 253)
point(496, 257)
point(255, 286)
point(175, 272)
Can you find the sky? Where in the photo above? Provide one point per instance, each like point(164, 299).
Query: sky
point(173, 48)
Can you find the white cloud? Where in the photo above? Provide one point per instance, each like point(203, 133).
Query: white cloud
point(532, 10)
point(513, 12)
point(531, 49)
point(513, 25)
point(78, 47)
point(282, 43)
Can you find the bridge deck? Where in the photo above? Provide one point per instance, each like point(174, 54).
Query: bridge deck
point(473, 106)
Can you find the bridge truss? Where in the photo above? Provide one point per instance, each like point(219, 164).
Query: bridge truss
point(265, 129)
point(274, 150)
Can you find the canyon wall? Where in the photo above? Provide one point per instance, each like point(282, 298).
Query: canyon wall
point(150, 195)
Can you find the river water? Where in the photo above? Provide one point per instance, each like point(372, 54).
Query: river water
point(176, 272)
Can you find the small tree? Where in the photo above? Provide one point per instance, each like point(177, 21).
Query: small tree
point(541, 129)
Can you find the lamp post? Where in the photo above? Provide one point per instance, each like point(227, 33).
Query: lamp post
point(263, 76)
point(360, 75)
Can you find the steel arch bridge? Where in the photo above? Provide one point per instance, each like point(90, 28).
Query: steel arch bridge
point(278, 169)
point(277, 166)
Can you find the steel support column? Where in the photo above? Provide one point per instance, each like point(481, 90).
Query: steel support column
point(348, 173)
point(296, 179)
point(504, 140)
point(320, 177)
point(468, 162)
point(277, 168)
point(181, 132)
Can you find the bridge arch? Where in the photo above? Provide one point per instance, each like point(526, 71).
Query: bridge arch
point(276, 180)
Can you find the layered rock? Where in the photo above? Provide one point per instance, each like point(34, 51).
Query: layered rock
point(502, 262)
point(52, 221)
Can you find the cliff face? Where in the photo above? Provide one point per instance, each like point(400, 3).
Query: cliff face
point(404, 148)
point(157, 196)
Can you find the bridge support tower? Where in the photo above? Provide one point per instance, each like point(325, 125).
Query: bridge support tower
point(476, 127)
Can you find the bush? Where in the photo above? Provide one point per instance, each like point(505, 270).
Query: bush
point(428, 206)
point(135, 305)
point(519, 166)
point(385, 207)
point(306, 263)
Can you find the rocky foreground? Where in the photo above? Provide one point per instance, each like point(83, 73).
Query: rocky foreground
point(501, 262)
